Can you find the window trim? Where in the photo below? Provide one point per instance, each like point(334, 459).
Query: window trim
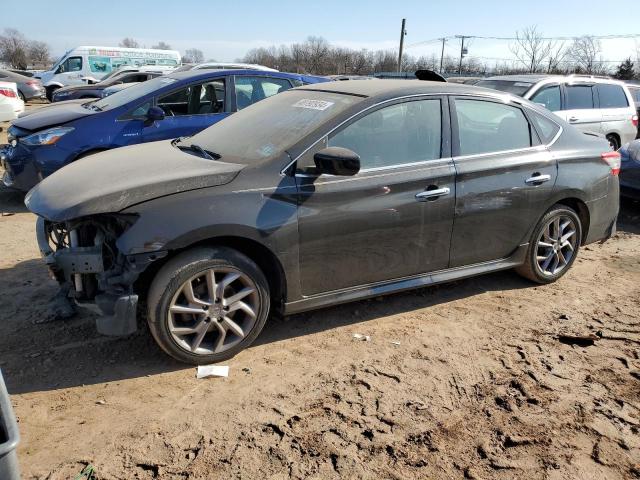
point(455, 133)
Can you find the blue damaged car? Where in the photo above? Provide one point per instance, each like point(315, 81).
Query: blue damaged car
point(176, 105)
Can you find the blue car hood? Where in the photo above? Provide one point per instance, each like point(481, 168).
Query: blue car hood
point(52, 115)
point(111, 181)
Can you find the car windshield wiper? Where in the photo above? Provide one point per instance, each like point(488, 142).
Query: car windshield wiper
point(196, 148)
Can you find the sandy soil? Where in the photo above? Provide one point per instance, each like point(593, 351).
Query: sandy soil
point(468, 380)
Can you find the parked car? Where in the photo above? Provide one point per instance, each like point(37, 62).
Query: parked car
point(10, 103)
point(321, 195)
point(630, 170)
point(28, 88)
point(171, 106)
point(95, 90)
point(116, 88)
point(86, 64)
point(223, 66)
point(464, 80)
point(592, 104)
point(634, 88)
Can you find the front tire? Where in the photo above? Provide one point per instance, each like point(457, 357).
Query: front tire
point(553, 246)
point(207, 304)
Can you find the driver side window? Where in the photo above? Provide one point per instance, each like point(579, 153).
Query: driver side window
point(549, 97)
point(71, 64)
point(399, 134)
point(201, 99)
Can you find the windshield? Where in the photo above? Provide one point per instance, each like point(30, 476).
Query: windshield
point(268, 127)
point(509, 86)
point(127, 95)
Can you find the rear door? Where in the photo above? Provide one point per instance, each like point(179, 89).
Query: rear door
point(504, 179)
point(188, 110)
point(581, 107)
point(380, 224)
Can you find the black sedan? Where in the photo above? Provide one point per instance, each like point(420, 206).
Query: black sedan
point(321, 195)
point(95, 90)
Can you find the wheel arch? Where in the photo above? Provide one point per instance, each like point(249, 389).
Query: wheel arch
point(580, 207)
point(264, 257)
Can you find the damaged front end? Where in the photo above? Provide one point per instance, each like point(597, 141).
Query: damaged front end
point(83, 257)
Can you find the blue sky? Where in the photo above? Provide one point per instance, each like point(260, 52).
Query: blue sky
point(226, 30)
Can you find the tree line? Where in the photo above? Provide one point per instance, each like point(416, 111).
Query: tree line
point(531, 51)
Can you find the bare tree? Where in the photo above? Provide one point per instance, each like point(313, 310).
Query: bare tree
point(39, 52)
point(129, 42)
point(193, 55)
point(585, 51)
point(162, 46)
point(530, 49)
point(557, 55)
point(14, 48)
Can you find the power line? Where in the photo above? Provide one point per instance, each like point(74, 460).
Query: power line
point(480, 37)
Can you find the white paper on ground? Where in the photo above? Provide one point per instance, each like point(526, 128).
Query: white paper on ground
point(212, 371)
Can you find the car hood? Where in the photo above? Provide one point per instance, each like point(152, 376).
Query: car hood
point(111, 181)
point(54, 114)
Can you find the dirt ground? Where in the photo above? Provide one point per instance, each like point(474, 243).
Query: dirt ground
point(467, 380)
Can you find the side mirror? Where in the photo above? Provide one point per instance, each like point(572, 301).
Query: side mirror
point(154, 114)
point(337, 161)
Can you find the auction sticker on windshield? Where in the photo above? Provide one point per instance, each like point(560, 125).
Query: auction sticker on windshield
point(313, 104)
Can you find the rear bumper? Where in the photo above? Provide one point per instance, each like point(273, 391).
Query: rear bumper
point(603, 214)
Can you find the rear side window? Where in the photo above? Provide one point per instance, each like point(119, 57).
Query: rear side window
point(250, 90)
point(485, 127)
point(579, 97)
point(547, 129)
point(612, 96)
point(549, 97)
point(398, 134)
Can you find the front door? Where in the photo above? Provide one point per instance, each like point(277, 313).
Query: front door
point(380, 224)
point(504, 179)
point(188, 110)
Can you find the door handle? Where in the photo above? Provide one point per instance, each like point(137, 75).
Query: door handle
point(537, 178)
point(432, 194)
point(573, 119)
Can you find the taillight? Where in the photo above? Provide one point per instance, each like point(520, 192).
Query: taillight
point(613, 159)
point(7, 93)
point(33, 82)
point(634, 120)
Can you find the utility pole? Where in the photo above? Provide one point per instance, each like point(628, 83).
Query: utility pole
point(442, 54)
point(463, 51)
point(403, 32)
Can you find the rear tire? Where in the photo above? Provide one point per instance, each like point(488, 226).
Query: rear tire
point(207, 304)
point(614, 142)
point(22, 96)
point(553, 246)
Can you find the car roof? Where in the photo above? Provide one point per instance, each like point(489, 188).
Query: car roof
point(390, 88)
point(532, 78)
point(205, 73)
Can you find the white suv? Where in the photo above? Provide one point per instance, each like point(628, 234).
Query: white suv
point(592, 104)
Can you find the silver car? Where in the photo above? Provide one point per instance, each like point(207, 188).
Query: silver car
point(593, 104)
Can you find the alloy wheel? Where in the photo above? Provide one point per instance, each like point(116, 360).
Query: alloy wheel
point(556, 245)
point(213, 311)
